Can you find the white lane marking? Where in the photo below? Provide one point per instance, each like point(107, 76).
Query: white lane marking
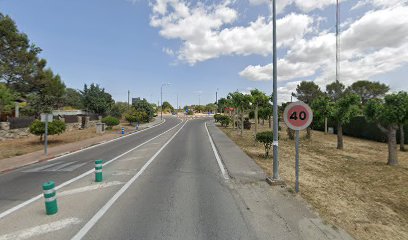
point(85, 229)
point(217, 156)
point(59, 167)
point(72, 168)
point(105, 142)
point(89, 188)
point(38, 169)
point(40, 230)
point(23, 204)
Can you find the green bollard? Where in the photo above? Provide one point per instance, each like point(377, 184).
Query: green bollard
point(98, 171)
point(50, 197)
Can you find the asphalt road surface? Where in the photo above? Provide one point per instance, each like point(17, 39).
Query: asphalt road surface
point(162, 183)
point(24, 183)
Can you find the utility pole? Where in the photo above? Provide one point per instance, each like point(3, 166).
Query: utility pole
point(177, 105)
point(199, 99)
point(216, 99)
point(161, 99)
point(128, 99)
point(275, 98)
point(337, 41)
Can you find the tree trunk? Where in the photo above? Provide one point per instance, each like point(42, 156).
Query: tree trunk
point(325, 125)
point(242, 122)
point(270, 121)
point(402, 138)
point(233, 119)
point(308, 133)
point(263, 122)
point(339, 136)
point(256, 119)
point(392, 146)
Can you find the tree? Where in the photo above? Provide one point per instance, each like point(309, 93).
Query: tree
point(265, 113)
point(258, 99)
point(110, 121)
point(266, 138)
point(343, 110)
point(18, 58)
point(322, 109)
point(96, 100)
point(144, 106)
point(388, 114)
point(368, 90)
point(335, 90)
point(73, 98)
point(307, 91)
point(210, 108)
point(222, 104)
point(118, 109)
point(54, 127)
point(7, 98)
point(167, 107)
point(243, 103)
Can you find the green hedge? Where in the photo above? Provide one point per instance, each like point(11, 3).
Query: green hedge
point(359, 128)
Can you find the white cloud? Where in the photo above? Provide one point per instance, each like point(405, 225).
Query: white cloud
point(303, 5)
point(379, 3)
point(375, 44)
point(205, 33)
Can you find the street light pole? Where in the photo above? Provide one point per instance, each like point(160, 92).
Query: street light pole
point(161, 99)
point(275, 98)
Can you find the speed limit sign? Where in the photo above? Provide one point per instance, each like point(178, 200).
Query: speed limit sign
point(298, 116)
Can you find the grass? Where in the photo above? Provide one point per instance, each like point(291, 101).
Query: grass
point(353, 188)
point(17, 147)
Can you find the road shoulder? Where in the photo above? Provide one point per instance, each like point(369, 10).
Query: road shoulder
point(12, 163)
point(272, 211)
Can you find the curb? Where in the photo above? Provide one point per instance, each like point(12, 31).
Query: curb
point(60, 155)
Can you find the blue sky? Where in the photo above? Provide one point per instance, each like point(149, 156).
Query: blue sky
point(138, 45)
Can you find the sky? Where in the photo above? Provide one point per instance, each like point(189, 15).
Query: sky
point(204, 47)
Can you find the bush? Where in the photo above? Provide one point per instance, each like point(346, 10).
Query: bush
point(225, 121)
point(190, 112)
point(136, 116)
point(54, 127)
point(110, 121)
point(217, 117)
point(266, 138)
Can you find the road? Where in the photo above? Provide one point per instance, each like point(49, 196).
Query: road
point(163, 183)
point(24, 183)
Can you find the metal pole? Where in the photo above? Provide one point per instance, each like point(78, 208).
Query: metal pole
point(161, 102)
point(297, 161)
point(199, 99)
point(337, 41)
point(46, 135)
point(216, 100)
point(275, 97)
point(128, 99)
point(177, 105)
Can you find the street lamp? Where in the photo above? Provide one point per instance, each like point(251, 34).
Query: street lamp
point(275, 97)
point(161, 99)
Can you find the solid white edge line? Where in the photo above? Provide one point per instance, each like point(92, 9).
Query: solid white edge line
point(23, 204)
point(85, 229)
point(217, 156)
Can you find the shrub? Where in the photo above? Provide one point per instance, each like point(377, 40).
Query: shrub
point(136, 116)
point(225, 121)
point(217, 117)
point(110, 121)
point(190, 112)
point(54, 127)
point(266, 138)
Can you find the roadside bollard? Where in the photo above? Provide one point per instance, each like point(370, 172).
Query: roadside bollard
point(123, 131)
point(50, 197)
point(98, 171)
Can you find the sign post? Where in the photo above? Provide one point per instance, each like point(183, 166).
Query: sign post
point(46, 117)
point(297, 116)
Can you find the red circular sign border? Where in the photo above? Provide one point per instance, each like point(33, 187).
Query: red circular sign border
point(294, 104)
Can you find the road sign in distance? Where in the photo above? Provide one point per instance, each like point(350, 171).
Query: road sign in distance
point(298, 115)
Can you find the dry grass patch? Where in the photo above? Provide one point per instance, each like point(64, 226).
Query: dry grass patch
point(17, 147)
point(353, 188)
